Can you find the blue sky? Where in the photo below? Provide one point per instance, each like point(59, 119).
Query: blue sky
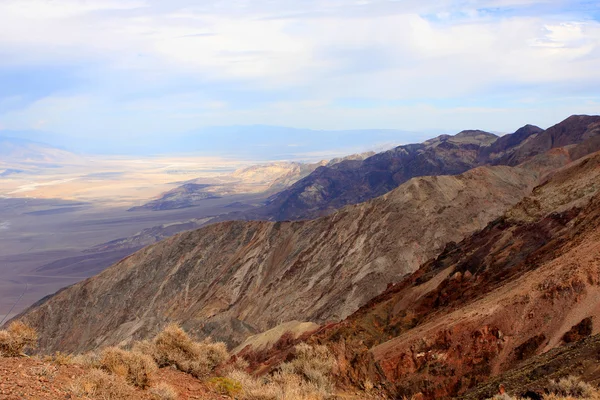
point(122, 71)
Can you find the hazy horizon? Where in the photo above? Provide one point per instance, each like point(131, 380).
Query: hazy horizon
point(120, 76)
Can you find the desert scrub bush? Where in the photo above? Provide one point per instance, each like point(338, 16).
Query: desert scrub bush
point(173, 346)
point(47, 371)
point(16, 339)
point(87, 360)
point(571, 386)
point(235, 363)
point(98, 384)
point(254, 388)
point(312, 363)
point(59, 358)
point(306, 377)
point(135, 368)
point(163, 391)
point(226, 386)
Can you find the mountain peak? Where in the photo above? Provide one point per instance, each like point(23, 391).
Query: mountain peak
point(473, 133)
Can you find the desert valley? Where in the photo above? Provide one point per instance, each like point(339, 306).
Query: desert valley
point(299, 200)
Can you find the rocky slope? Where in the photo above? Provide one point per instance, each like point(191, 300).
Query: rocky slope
point(583, 130)
point(261, 178)
point(234, 279)
point(32, 378)
point(330, 187)
point(579, 358)
point(524, 285)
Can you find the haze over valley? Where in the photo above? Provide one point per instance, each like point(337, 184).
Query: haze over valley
point(59, 208)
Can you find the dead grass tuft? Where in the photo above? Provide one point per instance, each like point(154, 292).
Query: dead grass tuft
point(98, 384)
point(173, 346)
point(163, 391)
point(306, 377)
point(571, 386)
point(87, 360)
point(16, 339)
point(568, 388)
point(314, 364)
point(135, 368)
point(59, 358)
point(47, 371)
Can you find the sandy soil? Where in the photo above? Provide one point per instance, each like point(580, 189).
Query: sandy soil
point(114, 181)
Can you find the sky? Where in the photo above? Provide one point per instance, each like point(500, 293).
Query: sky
point(121, 72)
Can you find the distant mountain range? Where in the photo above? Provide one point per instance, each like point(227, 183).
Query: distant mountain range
point(331, 187)
point(249, 142)
point(27, 152)
point(268, 178)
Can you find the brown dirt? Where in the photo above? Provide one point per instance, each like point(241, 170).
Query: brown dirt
point(20, 379)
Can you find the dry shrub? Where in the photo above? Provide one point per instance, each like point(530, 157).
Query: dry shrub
point(47, 371)
point(87, 360)
point(504, 396)
point(98, 384)
point(59, 358)
point(226, 386)
point(173, 346)
point(367, 385)
point(16, 339)
point(136, 368)
point(306, 377)
point(571, 386)
point(163, 391)
point(235, 363)
point(255, 389)
point(557, 397)
point(146, 347)
point(314, 364)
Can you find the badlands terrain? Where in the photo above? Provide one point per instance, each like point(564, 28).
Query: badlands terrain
point(463, 266)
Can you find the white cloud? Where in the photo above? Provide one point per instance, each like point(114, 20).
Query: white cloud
point(320, 51)
point(49, 9)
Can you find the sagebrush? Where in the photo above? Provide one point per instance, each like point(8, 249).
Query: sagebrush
point(18, 338)
point(306, 377)
point(136, 368)
point(98, 384)
point(174, 347)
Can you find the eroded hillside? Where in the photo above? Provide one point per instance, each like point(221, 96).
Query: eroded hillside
point(233, 279)
point(518, 288)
